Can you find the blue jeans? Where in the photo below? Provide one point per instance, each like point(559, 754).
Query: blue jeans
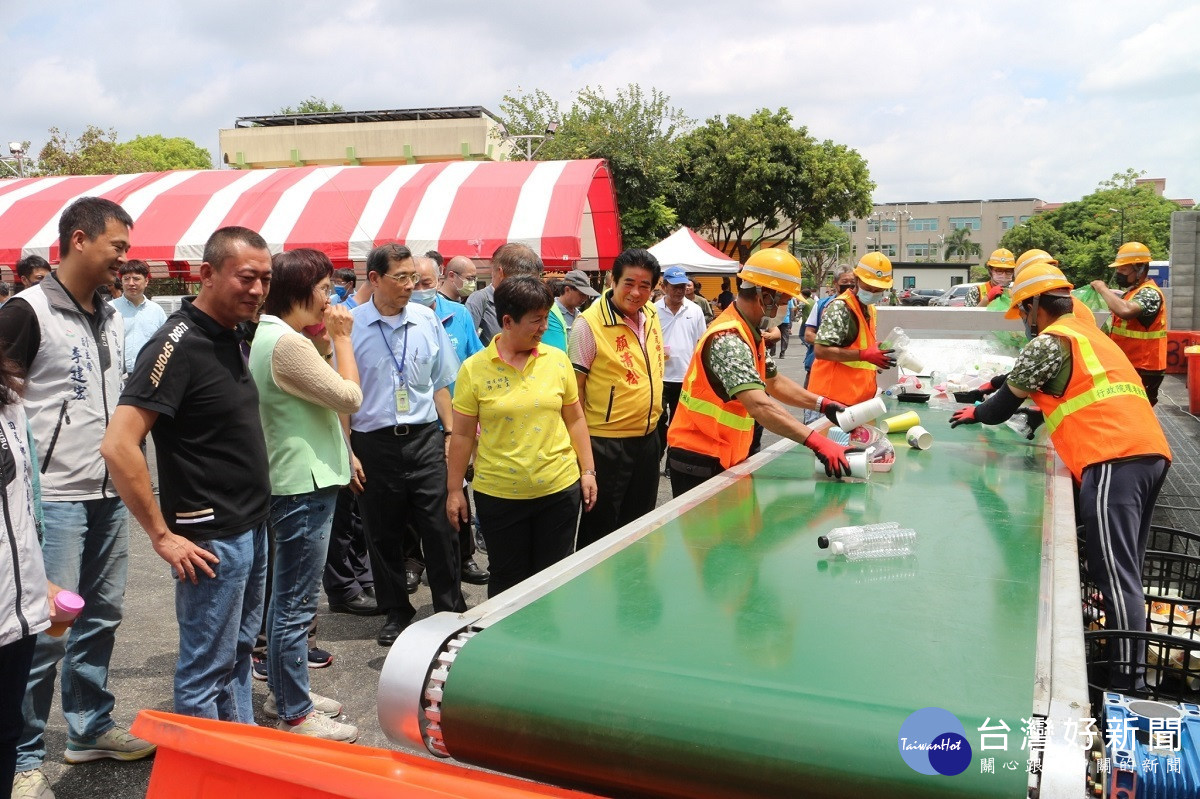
point(86, 551)
point(300, 524)
point(218, 622)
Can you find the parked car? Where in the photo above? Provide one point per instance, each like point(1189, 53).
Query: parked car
point(953, 296)
point(919, 296)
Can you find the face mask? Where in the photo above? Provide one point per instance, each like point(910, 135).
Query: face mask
point(869, 297)
point(1002, 278)
point(340, 291)
point(1124, 281)
point(466, 288)
point(424, 296)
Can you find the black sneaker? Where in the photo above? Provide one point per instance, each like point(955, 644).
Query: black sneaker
point(318, 658)
point(258, 668)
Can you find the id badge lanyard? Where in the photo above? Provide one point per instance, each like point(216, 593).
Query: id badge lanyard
point(401, 388)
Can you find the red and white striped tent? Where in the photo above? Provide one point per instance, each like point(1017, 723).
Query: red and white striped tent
point(565, 210)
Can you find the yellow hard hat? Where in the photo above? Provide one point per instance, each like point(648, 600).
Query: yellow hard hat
point(773, 268)
point(1037, 278)
point(875, 270)
point(1002, 259)
point(1030, 257)
point(1132, 252)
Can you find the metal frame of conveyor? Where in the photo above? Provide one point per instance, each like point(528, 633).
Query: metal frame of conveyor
point(422, 659)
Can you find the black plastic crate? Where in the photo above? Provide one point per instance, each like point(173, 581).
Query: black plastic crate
point(1172, 671)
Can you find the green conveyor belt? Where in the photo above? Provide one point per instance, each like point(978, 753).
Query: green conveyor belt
point(724, 655)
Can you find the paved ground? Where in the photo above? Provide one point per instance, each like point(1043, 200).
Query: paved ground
point(144, 661)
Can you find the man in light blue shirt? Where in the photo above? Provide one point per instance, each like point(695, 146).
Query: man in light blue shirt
point(142, 316)
point(406, 363)
point(460, 328)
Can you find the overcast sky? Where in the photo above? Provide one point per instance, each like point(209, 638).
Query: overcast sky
point(945, 100)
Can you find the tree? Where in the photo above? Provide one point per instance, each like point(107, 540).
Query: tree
point(819, 251)
point(164, 154)
point(95, 152)
point(636, 132)
point(313, 105)
point(749, 180)
point(1084, 235)
point(958, 243)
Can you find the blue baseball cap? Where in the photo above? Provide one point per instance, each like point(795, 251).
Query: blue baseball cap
point(675, 276)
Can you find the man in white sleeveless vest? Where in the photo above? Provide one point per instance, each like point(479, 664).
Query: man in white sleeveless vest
point(70, 343)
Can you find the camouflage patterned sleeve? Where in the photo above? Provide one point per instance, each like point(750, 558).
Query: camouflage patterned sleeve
point(1038, 364)
point(838, 327)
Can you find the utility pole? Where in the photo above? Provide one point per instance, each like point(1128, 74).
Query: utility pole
point(1120, 211)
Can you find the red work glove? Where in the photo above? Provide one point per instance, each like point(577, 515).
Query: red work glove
point(881, 358)
point(964, 416)
point(994, 292)
point(831, 408)
point(832, 455)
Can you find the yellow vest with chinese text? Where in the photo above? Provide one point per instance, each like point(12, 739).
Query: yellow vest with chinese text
point(623, 396)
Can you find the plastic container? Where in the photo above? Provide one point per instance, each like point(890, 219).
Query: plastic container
point(859, 468)
point(67, 606)
point(889, 533)
point(871, 550)
point(862, 413)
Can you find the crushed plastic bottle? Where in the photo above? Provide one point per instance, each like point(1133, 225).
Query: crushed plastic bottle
point(856, 531)
point(871, 550)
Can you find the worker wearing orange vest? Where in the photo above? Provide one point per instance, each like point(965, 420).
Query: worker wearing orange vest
point(731, 383)
point(1033, 416)
point(1000, 266)
point(847, 354)
point(1139, 315)
point(1103, 428)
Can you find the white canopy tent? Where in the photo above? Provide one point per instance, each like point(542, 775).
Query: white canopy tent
point(684, 248)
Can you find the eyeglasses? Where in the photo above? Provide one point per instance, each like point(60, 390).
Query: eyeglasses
point(327, 291)
point(404, 277)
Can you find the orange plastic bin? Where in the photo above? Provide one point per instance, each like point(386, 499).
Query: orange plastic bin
point(204, 758)
point(1193, 377)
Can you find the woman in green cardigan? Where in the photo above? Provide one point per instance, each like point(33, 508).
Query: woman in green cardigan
point(300, 394)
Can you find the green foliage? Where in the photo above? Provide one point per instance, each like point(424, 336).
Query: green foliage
point(749, 180)
point(97, 152)
point(163, 154)
point(958, 244)
point(313, 105)
point(1084, 235)
point(820, 251)
point(636, 132)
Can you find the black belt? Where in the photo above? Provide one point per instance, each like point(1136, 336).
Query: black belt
point(400, 430)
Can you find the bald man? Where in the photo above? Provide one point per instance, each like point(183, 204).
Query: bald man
point(458, 279)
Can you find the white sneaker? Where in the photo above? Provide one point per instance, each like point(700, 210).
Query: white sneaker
point(321, 704)
point(115, 743)
point(31, 784)
point(318, 725)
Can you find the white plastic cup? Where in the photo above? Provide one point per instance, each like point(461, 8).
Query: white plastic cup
point(860, 467)
point(906, 360)
point(860, 414)
point(919, 438)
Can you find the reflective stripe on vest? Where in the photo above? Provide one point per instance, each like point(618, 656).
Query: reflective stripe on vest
point(1148, 334)
point(1101, 389)
point(714, 411)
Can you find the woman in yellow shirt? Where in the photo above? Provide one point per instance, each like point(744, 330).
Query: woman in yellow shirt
point(533, 441)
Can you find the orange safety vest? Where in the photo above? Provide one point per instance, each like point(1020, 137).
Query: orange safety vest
point(849, 382)
point(1145, 346)
point(1104, 414)
point(703, 422)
